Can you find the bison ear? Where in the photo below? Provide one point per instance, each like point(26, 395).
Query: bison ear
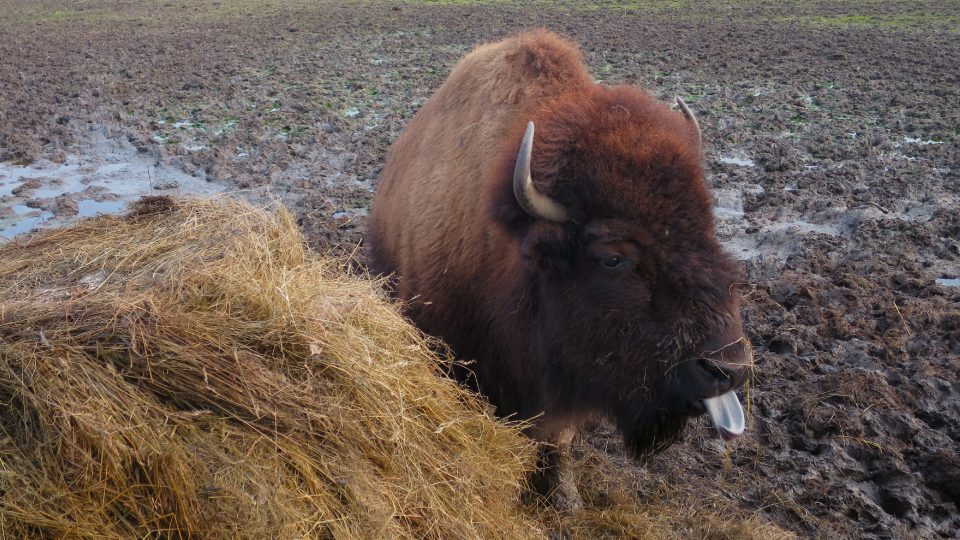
point(547, 245)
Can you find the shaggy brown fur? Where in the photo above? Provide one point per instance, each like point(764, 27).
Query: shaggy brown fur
point(553, 328)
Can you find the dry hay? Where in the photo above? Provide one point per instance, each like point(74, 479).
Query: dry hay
point(621, 504)
point(191, 370)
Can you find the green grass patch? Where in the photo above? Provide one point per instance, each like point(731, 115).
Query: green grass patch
point(58, 15)
point(587, 5)
point(891, 20)
point(565, 4)
point(911, 21)
point(51, 15)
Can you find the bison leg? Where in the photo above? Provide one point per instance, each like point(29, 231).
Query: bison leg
point(554, 479)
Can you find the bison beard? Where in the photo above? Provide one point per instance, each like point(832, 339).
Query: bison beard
point(559, 234)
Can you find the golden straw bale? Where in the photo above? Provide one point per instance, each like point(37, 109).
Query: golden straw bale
point(191, 370)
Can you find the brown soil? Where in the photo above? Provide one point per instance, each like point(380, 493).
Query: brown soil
point(841, 197)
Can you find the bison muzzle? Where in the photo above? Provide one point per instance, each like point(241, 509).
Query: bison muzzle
point(559, 234)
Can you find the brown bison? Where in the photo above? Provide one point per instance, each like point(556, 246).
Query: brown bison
point(560, 235)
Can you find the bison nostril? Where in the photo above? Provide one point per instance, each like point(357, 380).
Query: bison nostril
point(718, 369)
point(730, 362)
point(737, 352)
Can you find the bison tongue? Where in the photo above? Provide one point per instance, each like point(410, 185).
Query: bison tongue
point(727, 415)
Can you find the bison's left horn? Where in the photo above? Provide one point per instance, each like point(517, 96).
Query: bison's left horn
point(688, 114)
point(532, 201)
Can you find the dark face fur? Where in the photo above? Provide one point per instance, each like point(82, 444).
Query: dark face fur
point(634, 294)
point(626, 324)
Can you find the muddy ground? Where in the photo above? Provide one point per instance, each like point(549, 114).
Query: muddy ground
point(831, 133)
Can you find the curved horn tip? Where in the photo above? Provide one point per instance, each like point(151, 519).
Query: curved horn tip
point(682, 105)
point(532, 201)
point(688, 114)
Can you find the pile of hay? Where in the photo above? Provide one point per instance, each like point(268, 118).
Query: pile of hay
point(625, 502)
point(190, 370)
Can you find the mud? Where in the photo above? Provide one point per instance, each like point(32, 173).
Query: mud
point(99, 176)
point(831, 136)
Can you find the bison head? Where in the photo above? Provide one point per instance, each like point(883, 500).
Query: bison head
point(635, 302)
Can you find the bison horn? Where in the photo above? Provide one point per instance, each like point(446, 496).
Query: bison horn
point(532, 201)
point(688, 114)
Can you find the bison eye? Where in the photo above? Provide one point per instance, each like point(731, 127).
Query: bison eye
point(611, 262)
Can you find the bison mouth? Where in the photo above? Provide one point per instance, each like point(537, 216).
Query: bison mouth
point(725, 412)
point(717, 373)
point(649, 438)
point(727, 415)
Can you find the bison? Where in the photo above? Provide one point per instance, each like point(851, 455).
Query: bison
point(559, 235)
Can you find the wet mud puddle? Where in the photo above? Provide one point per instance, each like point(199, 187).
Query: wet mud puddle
point(748, 235)
point(100, 178)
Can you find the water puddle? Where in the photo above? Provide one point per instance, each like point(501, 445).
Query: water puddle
point(728, 202)
point(728, 212)
point(24, 210)
point(738, 161)
point(779, 238)
point(27, 220)
point(805, 227)
point(102, 178)
point(92, 208)
point(949, 282)
point(350, 213)
point(918, 140)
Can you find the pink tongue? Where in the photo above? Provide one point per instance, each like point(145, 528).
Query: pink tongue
point(727, 415)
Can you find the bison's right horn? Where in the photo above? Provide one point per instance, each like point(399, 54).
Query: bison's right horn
point(688, 114)
point(532, 201)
